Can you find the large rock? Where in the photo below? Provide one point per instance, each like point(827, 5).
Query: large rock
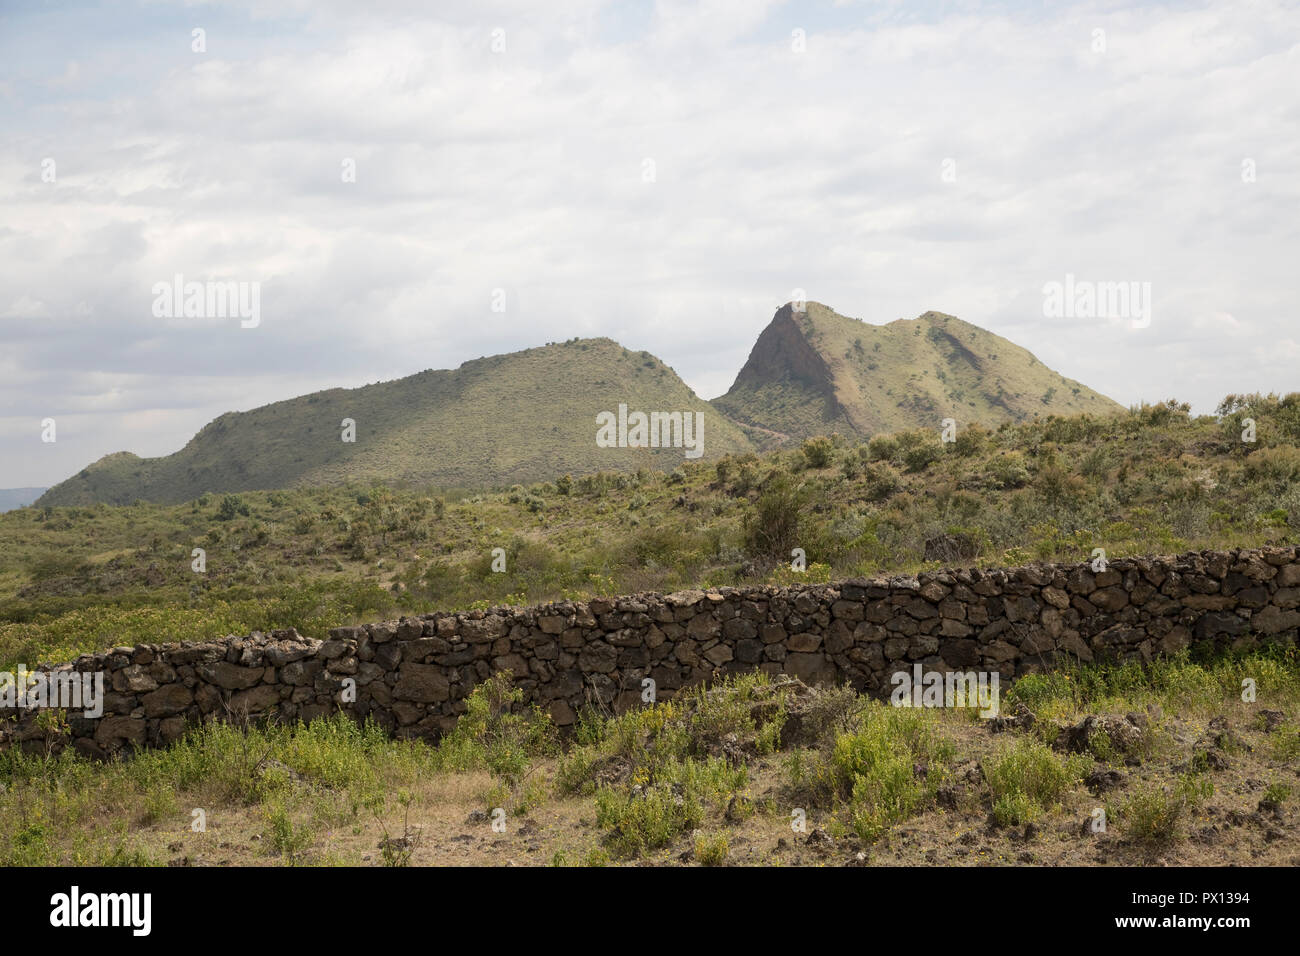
point(598, 657)
point(424, 683)
point(166, 701)
point(811, 668)
point(115, 730)
point(257, 700)
point(230, 676)
point(489, 629)
point(277, 655)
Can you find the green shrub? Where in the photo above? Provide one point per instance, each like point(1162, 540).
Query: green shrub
point(231, 507)
point(1027, 778)
point(711, 849)
point(921, 456)
point(489, 736)
point(875, 765)
point(1008, 471)
point(647, 820)
point(1153, 814)
point(882, 448)
point(1276, 467)
point(773, 528)
point(880, 482)
point(818, 451)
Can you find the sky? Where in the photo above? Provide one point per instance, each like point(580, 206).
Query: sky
point(411, 185)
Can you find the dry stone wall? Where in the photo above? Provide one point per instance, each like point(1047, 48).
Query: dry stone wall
point(413, 675)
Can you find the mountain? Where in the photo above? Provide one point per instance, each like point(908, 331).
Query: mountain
point(516, 418)
point(814, 371)
point(11, 498)
point(532, 416)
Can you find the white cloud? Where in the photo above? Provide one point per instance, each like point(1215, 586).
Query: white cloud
point(523, 170)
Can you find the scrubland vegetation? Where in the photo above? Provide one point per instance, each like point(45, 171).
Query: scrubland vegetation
point(1107, 764)
point(1153, 480)
point(1168, 757)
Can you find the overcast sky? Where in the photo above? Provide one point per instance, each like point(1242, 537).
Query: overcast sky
point(662, 173)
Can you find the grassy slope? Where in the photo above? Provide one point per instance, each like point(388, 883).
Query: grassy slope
point(709, 778)
point(521, 417)
point(817, 371)
point(1148, 481)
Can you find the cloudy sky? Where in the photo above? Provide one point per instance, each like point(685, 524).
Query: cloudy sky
point(663, 173)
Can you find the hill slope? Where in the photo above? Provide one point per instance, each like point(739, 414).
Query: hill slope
point(815, 371)
point(515, 418)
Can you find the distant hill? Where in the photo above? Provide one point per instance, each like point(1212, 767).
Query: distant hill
point(814, 371)
point(531, 416)
point(515, 418)
point(11, 498)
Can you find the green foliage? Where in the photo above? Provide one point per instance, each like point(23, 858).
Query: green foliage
point(490, 735)
point(1277, 793)
point(51, 806)
point(641, 822)
point(283, 835)
point(1155, 814)
point(75, 579)
point(818, 451)
point(882, 448)
point(1027, 778)
point(1176, 682)
point(1007, 471)
point(774, 526)
point(232, 506)
point(711, 849)
point(872, 767)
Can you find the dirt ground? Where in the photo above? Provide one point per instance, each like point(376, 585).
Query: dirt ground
point(449, 823)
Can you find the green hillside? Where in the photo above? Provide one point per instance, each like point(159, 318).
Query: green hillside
point(521, 417)
point(531, 416)
point(1152, 480)
point(815, 371)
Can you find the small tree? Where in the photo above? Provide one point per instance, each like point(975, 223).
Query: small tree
point(772, 529)
point(231, 507)
point(818, 451)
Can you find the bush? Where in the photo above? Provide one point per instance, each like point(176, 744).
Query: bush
point(1155, 815)
point(645, 821)
point(488, 735)
point(50, 566)
point(773, 528)
point(1277, 467)
point(971, 440)
point(818, 451)
point(880, 482)
point(711, 850)
point(231, 507)
point(874, 766)
point(921, 457)
point(1007, 471)
point(882, 448)
point(1027, 778)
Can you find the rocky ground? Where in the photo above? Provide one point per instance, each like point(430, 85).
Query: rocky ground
point(1133, 766)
